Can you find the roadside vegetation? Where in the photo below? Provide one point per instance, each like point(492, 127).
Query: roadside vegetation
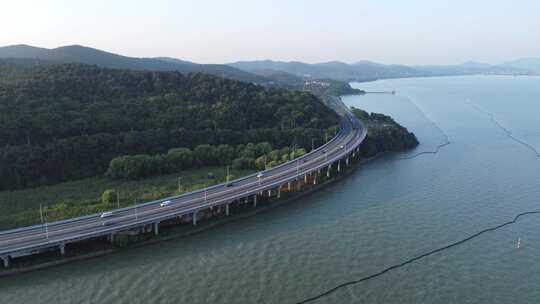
point(241, 157)
point(136, 179)
point(97, 194)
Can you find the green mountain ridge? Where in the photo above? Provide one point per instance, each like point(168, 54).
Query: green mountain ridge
point(30, 55)
point(87, 55)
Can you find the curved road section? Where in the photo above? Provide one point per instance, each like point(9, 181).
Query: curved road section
point(30, 240)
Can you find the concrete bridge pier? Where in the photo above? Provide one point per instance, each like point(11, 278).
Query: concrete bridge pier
point(156, 228)
point(227, 209)
point(111, 237)
point(62, 247)
point(339, 166)
point(347, 161)
point(279, 192)
point(305, 179)
point(194, 218)
point(6, 261)
point(269, 192)
point(315, 179)
point(328, 172)
point(289, 186)
point(255, 200)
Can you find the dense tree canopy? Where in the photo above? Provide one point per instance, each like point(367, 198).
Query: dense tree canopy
point(384, 134)
point(61, 122)
point(251, 156)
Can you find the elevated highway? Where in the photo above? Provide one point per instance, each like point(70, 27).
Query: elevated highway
point(334, 154)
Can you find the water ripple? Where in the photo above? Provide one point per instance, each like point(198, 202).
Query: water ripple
point(416, 258)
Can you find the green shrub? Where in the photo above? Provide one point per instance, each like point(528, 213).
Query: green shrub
point(108, 197)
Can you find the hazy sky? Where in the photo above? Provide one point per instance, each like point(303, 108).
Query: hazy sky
point(207, 31)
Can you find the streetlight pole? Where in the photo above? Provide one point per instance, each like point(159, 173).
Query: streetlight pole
point(179, 184)
point(46, 229)
point(227, 174)
point(259, 177)
point(46, 226)
point(312, 144)
point(118, 198)
point(41, 213)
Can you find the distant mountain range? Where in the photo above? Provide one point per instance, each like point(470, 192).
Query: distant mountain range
point(292, 74)
point(360, 71)
point(532, 64)
point(473, 68)
point(366, 70)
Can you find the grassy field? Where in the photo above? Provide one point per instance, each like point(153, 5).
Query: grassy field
point(82, 197)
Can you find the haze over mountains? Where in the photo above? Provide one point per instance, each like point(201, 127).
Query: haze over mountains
point(366, 70)
point(334, 70)
point(532, 64)
point(267, 72)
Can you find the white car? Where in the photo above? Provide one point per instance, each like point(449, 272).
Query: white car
point(260, 175)
point(165, 203)
point(106, 214)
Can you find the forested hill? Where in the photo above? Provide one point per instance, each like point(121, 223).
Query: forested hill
point(87, 55)
point(67, 121)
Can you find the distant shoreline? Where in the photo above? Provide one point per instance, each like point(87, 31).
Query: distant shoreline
point(440, 76)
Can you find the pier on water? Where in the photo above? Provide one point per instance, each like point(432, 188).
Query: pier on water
point(393, 92)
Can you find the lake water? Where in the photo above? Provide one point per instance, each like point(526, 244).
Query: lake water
point(386, 212)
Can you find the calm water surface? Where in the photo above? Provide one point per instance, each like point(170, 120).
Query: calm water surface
point(387, 211)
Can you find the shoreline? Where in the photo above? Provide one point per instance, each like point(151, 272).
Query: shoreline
point(210, 224)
